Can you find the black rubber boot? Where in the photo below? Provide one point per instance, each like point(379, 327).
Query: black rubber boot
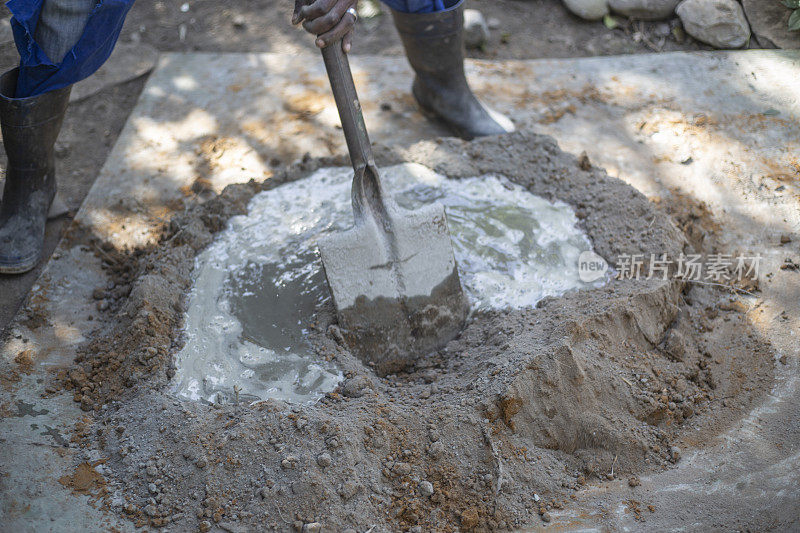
point(30, 128)
point(434, 44)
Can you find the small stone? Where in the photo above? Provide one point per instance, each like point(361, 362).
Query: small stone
point(644, 9)
point(469, 518)
point(634, 481)
point(152, 471)
point(205, 526)
point(313, 527)
point(324, 460)
point(588, 9)
point(289, 462)
point(239, 21)
point(536, 497)
point(675, 454)
point(402, 469)
point(546, 517)
point(720, 23)
point(494, 23)
point(426, 488)
point(476, 31)
point(355, 387)
point(202, 462)
point(786, 239)
point(151, 511)
point(152, 488)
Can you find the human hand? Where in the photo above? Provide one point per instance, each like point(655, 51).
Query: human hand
point(329, 20)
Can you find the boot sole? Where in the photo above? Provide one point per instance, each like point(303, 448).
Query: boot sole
point(20, 267)
point(432, 115)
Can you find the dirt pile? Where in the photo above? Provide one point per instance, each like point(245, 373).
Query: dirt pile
point(488, 434)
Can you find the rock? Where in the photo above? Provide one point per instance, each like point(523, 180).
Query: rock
point(205, 526)
point(770, 24)
point(494, 23)
point(634, 481)
point(402, 469)
point(546, 517)
point(675, 345)
point(469, 518)
point(355, 387)
point(675, 454)
point(426, 488)
point(588, 9)
point(324, 460)
point(313, 527)
point(720, 23)
point(644, 9)
point(476, 31)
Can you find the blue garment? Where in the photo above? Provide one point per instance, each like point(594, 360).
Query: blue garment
point(38, 74)
point(420, 6)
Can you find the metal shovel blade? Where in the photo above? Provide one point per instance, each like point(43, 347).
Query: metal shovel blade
point(393, 276)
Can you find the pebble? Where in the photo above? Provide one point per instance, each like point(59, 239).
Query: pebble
point(634, 481)
point(402, 469)
point(476, 31)
point(546, 517)
point(324, 460)
point(675, 454)
point(720, 23)
point(493, 23)
point(205, 526)
point(202, 462)
point(588, 9)
point(644, 9)
point(426, 488)
point(313, 527)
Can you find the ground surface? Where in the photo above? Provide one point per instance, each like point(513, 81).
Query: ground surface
point(529, 29)
point(681, 139)
point(682, 142)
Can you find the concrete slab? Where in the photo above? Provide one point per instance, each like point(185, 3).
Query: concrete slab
point(723, 128)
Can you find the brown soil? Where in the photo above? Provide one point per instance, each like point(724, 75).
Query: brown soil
point(504, 424)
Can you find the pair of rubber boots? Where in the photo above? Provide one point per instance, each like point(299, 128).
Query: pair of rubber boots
point(435, 48)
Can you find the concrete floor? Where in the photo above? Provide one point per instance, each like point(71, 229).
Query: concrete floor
point(722, 127)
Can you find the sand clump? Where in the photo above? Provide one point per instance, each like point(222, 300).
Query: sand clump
point(490, 433)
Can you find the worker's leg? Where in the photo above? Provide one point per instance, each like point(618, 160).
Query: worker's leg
point(33, 100)
point(61, 24)
point(432, 33)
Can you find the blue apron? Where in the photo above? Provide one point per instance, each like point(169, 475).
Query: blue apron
point(37, 73)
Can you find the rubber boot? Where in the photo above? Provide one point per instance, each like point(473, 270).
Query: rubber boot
point(434, 44)
point(30, 127)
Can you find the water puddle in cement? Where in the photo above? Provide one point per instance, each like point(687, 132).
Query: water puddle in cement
point(259, 283)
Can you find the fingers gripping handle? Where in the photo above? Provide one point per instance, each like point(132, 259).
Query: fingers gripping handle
point(367, 191)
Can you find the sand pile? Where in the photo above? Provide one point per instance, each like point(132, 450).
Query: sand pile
point(492, 432)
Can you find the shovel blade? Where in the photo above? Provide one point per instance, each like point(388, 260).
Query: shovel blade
point(398, 300)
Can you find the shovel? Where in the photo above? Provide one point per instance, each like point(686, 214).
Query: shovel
point(393, 276)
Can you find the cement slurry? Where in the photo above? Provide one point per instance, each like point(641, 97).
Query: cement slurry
point(258, 285)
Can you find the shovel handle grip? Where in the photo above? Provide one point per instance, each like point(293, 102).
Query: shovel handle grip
point(344, 92)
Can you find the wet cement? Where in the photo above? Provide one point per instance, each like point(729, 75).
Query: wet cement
point(259, 285)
